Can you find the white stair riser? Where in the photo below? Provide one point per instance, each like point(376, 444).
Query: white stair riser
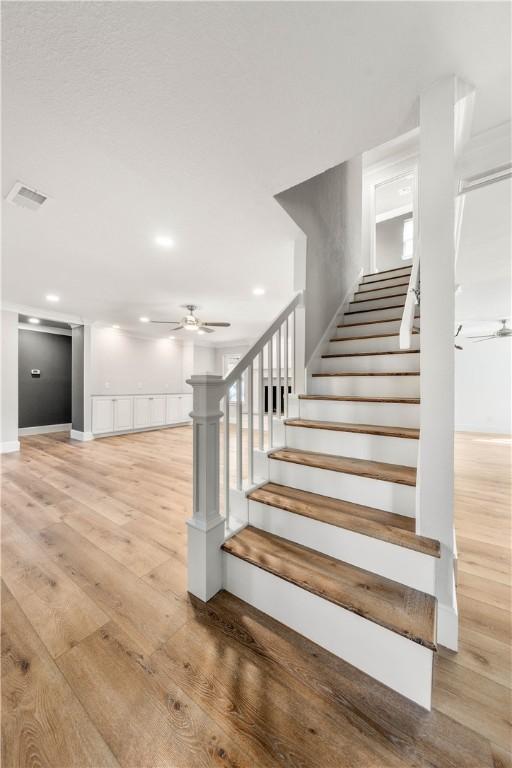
point(399, 663)
point(391, 497)
point(414, 569)
point(380, 292)
point(365, 316)
point(364, 363)
point(385, 414)
point(398, 272)
point(394, 450)
point(385, 344)
point(387, 301)
point(366, 386)
point(368, 329)
point(400, 281)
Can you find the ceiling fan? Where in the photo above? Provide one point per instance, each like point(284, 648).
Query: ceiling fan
point(192, 323)
point(502, 333)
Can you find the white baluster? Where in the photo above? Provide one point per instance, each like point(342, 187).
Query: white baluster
point(226, 458)
point(286, 368)
point(278, 371)
point(206, 526)
point(250, 436)
point(239, 455)
point(261, 404)
point(270, 385)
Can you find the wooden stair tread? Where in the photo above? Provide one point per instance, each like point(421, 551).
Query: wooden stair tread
point(368, 521)
point(374, 322)
point(384, 279)
point(375, 309)
point(385, 271)
point(359, 338)
point(378, 298)
point(369, 373)
point(366, 429)
point(375, 470)
point(401, 609)
point(369, 354)
point(397, 285)
point(359, 399)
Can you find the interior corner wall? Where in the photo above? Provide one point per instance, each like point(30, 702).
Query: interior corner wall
point(328, 209)
point(77, 378)
point(9, 382)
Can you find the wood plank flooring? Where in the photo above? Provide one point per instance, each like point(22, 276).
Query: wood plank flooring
point(106, 660)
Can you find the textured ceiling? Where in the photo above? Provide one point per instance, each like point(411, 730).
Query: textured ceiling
point(186, 118)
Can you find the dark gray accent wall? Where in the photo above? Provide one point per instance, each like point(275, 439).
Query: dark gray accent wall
point(44, 399)
point(77, 390)
point(328, 209)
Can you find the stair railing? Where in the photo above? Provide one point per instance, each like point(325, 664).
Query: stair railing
point(274, 365)
point(411, 301)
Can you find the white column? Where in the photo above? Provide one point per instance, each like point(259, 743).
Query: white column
point(9, 383)
point(206, 527)
point(436, 232)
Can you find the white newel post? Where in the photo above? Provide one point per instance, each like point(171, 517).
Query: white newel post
point(206, 526)
point(436, 230)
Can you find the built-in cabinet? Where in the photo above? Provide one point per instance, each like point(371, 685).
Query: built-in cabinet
point(124, 413)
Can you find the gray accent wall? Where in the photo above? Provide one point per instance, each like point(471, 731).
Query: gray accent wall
point(77, 390)
point(44, 399)
point(328, 209)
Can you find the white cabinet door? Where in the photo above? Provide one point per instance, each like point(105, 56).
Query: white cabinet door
point(141, 412)
point(102, 415)
point(186, 407)
point(157, 411)
point(173, 410)
point(123, 414)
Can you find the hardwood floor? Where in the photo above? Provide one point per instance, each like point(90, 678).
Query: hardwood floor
point(106, 660)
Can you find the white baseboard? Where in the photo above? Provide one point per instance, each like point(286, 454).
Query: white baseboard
point(82, 436)
point(44, 429)
point(11, 446)
point(448, 626)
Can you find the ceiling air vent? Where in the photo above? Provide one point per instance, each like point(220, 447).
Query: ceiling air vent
point(26, 197)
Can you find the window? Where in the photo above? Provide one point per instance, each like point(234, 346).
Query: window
point(229, 362)
point(408, 239)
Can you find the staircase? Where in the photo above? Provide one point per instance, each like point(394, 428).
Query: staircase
point(330, 547)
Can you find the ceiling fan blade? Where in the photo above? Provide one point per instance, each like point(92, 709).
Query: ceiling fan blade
point(167, 322)
point(207, 330)
point(484, 338)
point(219, 325)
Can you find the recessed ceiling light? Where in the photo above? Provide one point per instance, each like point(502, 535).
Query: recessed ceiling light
point(115, 326)
point(52, 297)
point(200, 333)
point(144, 319)
point(164, 241)
point(172, 337)
point(34, 320)
point(404, 191)
point(258, 291)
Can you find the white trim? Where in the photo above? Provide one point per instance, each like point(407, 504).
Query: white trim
point(154, 428)
point(10, 446)
point(43, 430)
point(43, 312)
point(44, 329)
point(75, 434)
point(393, 213)
point(448, 626)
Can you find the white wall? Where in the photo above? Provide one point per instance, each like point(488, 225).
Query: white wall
point(9, 383)
point(124, 364)
point(483, 386)
point(389, 243)
point(327, 208)
point(205, 360)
